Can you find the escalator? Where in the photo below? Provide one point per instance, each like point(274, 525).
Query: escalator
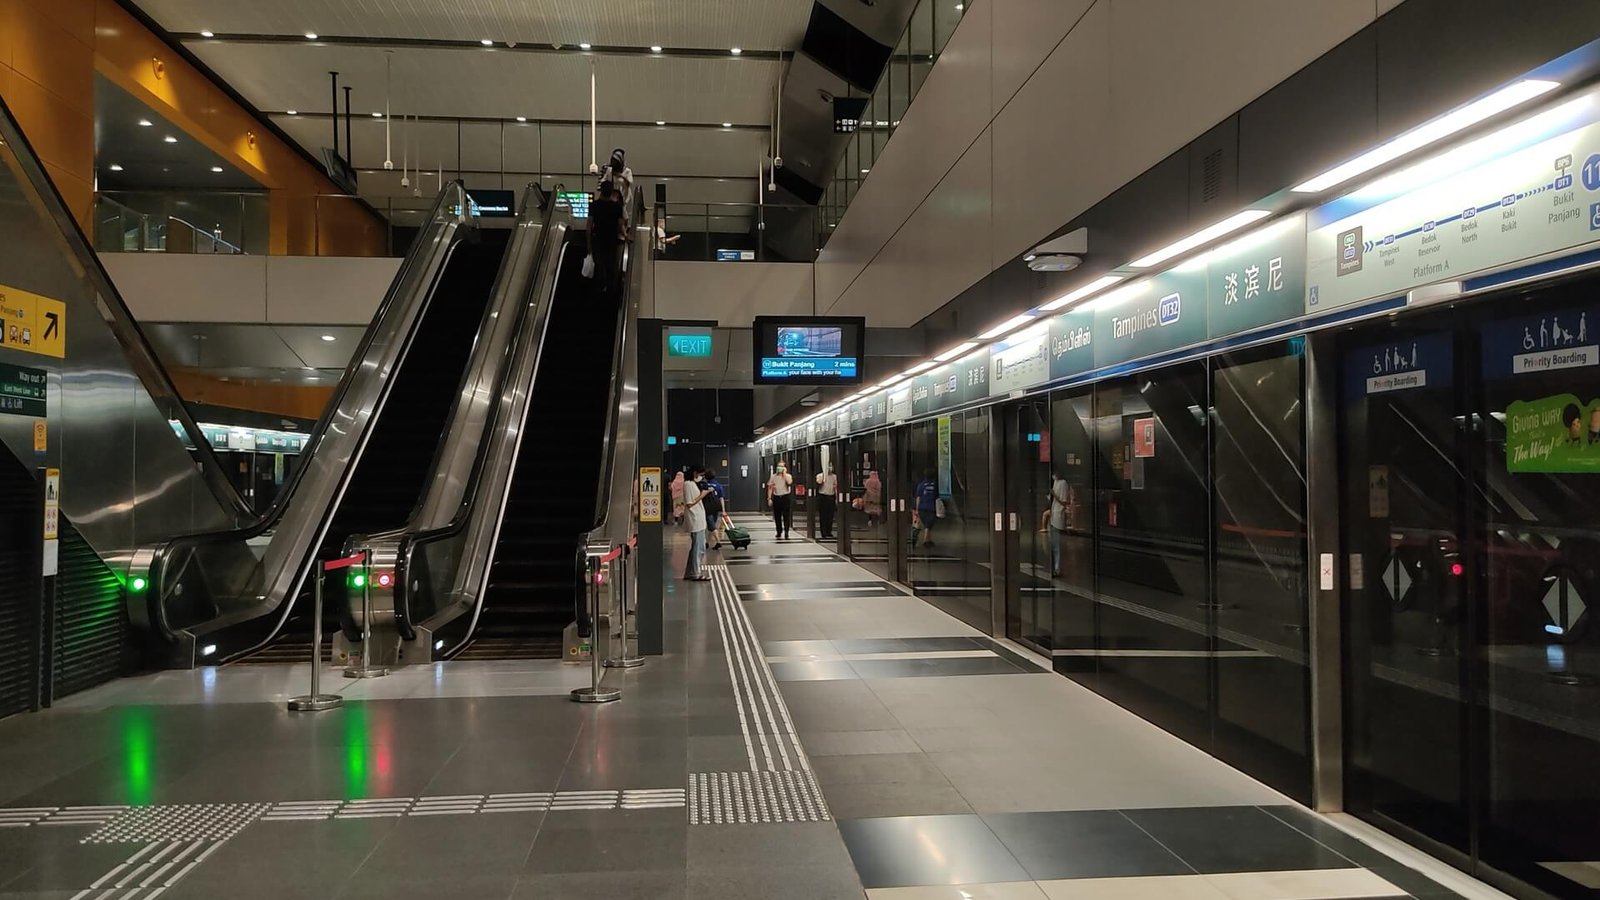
point(391, 475)
point(219, 596)
point(536, 574)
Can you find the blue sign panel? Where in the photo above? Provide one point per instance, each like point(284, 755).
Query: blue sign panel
point(1567, 339)
point(1071, 344)
point(1404, 364)
point(778, 368)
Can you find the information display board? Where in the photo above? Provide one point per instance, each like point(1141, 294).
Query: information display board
point(808, 350)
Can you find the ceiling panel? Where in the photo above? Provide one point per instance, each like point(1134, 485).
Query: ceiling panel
point(201, 346)
point(752, 24)
point(308, 345)
point(498, 84)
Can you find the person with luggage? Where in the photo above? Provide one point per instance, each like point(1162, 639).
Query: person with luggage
point(926, 495)
point(827, 499)
point(694, 520)
point(779, 489)
point(716, 505)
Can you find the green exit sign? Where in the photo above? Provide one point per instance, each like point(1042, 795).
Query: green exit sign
point(695, 345)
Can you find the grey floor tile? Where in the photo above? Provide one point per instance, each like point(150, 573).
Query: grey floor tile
point(774, 883)
point(852, 743)
point(607, 885)
point(1214, 840)
point(1086, 844)
point(820, 670)
point(881, 799)
point(609, 849)
point(876, 768)
point(809, 844)
point(463, 886)
point(928, 850)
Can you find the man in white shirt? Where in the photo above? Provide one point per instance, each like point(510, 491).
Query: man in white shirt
point(779, 488)
point(827, 492)
point(1060, 498)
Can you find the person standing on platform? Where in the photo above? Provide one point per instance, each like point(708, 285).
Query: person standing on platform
point(927, 498)
point(694, 519)
point(1060, 497)
point(716, 504)
point(677, 497)
point(617, 172)
point(779, 488)
point(827, 499)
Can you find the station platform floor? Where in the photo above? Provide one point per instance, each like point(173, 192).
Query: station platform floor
point(812, 732)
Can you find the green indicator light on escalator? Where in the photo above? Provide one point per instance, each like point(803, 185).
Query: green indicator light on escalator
point(358, 580)
point(139, 584)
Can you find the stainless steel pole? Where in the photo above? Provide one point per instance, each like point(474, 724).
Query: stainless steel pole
point(594, 693)
point(626, 658)
point(366, 669)
point(316, 701)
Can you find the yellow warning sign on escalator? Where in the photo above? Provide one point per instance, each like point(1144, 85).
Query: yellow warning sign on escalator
point(32, 323)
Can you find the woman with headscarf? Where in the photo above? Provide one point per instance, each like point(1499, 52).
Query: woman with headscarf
point(677, 497)
point(621, 177)
point(872, 497)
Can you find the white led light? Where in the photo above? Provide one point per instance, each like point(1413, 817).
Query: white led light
point(115, 167)
point(486, 42)
point(216, 168)
point(1009, 325)
point(522, 118)
point(207, 34)
point(329, 338)
point(727, 124)
point(170, 139)
point(958, 350)
point(311, 35)
point(1199, 238)
point(1430, 133)
point(377, 115)
point(145, 123)
point(292, 112)
point(655, 49)
point(919, 368)
point(584, 46)
point(736, 51)
point(1095, 286)
point(208, 649)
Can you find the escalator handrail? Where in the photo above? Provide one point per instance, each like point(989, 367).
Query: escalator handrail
point(542, 290)
point(141, 357)
point(621, 431)
point(418, 275)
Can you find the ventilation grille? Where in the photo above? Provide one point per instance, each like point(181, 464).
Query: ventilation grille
point(20, 535)
point(92, 641)
point(1211, 176)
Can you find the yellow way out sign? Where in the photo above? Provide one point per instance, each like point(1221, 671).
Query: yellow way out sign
point(32, 323)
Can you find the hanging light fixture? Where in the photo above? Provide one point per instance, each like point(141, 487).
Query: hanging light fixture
point(388, 85)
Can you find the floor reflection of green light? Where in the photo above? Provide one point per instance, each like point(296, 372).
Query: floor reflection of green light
point(355, 751)
point(138, 750)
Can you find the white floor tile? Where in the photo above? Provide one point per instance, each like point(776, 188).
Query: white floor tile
point(1324, 884)
point(1169, 887)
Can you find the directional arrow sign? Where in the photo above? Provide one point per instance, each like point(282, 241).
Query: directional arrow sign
point(53, 329)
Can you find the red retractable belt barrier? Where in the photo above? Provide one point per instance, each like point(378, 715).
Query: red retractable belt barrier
point(336, 564)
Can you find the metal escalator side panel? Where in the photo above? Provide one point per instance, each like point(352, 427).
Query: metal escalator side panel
point(458, 462)
point(466, 571)
point(615, 501)
point(202, 584)
point(109, 399)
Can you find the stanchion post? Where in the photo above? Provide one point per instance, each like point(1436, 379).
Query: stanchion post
point(316, 701)
point(366, 669)
point(627, 658)
point(594, 693)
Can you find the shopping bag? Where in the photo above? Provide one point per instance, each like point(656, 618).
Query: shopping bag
point(588, 267)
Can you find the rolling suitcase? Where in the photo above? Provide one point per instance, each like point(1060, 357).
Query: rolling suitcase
point(738, 537)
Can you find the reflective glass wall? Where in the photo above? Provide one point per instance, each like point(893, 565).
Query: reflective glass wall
point(946, 486)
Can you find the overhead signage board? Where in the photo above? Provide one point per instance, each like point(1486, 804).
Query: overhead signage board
point(22, 391)
point(847, 113)
point(900, 404)
point(808, 350)
point(736, 256)
point(492, 204)
point(1021, 361)
point(576, 201)
point(1258, 280)
point(689, 343)
point(1160, 314)
point(1071, 343)
point(1529, 190)
point(32, 323)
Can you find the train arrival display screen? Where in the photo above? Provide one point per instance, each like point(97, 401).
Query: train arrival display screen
point(808, 351)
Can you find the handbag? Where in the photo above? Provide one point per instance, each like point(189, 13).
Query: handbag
point(588, 266)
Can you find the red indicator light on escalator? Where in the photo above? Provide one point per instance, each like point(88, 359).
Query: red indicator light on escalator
point(1456, 569)
point(385, 579)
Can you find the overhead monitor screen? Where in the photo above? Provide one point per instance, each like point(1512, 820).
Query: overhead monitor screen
point(808, 351)
point(577, 201)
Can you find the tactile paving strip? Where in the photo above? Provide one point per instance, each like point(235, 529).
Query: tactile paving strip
point(181, 822)
point(733, 798)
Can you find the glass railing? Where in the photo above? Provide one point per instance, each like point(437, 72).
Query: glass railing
point(925, 37)
point(180, 222)
point(735, 232)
